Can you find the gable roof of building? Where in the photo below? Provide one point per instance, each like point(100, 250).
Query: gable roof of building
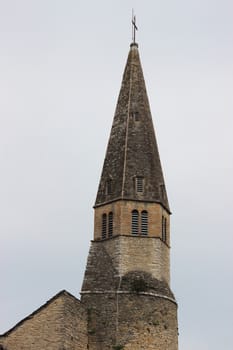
point(62, 293)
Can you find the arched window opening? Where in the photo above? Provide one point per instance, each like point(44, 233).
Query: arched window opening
point(164, 229)
point(144, 222)
point(135, 217)
point(104, 226)
point(110, 224)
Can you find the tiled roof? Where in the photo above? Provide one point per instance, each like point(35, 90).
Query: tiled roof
point(132, 150)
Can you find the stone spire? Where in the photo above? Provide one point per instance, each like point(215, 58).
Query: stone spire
point(132, 168)
point(126, 286)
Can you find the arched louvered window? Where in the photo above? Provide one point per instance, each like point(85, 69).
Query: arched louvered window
point(135, 217)
point(144, 222)
point(164, 229)
point(110, 224)
point(104, 226)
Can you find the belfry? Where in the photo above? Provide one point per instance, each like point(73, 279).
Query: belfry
point(126, 283)
point(126, 301)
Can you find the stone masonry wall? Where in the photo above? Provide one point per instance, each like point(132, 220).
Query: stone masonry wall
point(59, 324)
point(130, 253)
point(127, 296)
point(131, 321)
point(122, 218)
point(147, 323)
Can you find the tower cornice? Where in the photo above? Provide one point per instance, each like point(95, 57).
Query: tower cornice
point(130, 200)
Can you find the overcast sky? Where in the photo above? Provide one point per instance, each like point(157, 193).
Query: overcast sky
point(61, 64)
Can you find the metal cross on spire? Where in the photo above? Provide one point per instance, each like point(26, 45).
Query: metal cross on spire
point(134, 27)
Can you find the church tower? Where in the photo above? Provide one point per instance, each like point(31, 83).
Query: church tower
point(126, 286)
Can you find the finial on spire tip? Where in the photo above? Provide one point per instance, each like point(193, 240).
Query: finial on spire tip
point(134, 28)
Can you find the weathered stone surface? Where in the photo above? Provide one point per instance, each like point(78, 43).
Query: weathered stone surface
point(59, 324)
point(147, 323)
point(134, 320)
point(128, 306)
point(144, 282)
point(101, 271)
point(123, 254)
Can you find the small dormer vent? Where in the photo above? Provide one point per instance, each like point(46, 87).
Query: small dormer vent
point(139, 184)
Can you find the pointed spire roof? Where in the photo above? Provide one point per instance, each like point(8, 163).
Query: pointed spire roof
point(132, 154)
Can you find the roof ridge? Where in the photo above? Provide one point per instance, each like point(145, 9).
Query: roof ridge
point(127, 132)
